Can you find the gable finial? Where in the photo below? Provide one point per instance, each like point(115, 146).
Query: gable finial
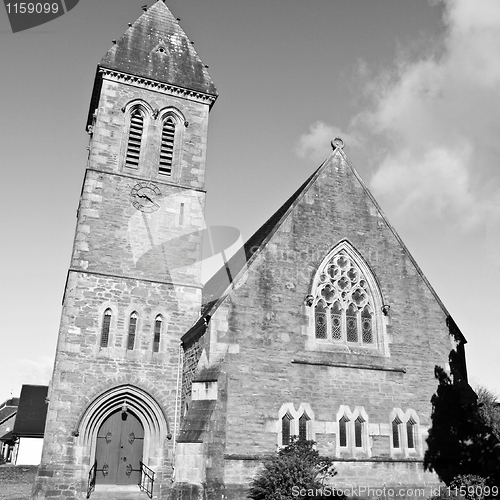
point(337, 143)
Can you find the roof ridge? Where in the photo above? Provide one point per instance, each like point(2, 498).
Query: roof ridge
point(396, 235)
point(260, 238)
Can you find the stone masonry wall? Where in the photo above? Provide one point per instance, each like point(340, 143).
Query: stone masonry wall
point(268, 330)
point(128, 261)
point(85, 370)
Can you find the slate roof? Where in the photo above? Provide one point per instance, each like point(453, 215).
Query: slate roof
point(217, 286)
point(156, 47)
point(195, 423)
point(8, 409)
point(32, 411)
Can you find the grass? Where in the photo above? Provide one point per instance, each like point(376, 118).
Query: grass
point(16, 481)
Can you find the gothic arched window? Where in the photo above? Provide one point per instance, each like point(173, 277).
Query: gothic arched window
point(132, 326)
point(303, 427)
point(106, 321)
point(157, 333)
point(344, 302)
point(320, 318)
point(396, 442)
point(285, 429)
point(297, 424)
point(353, 431)
point(134, 141)
point(406, 438)
point(343, 431)
point(167, 146)
point(410, 432)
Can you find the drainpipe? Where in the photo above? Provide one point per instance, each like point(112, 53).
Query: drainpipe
point(177, 397)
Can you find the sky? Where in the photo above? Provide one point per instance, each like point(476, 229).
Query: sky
point(411, 86)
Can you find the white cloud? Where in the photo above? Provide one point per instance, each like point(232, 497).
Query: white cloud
point(436, 181)
point(439, 118)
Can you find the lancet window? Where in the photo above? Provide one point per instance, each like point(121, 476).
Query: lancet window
point(405, 434)
point(285, 429)
point(295, 423)
point(157, 333)
point(343, 303)
point(106, 321)
point(132, 326)
point(352, 434)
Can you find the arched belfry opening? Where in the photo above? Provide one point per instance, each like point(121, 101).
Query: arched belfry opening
point(119, 429)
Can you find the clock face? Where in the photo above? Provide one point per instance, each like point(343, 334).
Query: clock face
point(145, 196)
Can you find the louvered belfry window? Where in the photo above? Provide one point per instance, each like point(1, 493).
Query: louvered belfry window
point(156, 340)
point(167, 146)
point(106, 321)
point(343, 303)
point(132, 326)
point(134, 138)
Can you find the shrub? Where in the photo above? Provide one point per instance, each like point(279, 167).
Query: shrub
point(295, 467)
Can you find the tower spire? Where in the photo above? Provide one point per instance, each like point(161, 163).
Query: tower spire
point(157, 48)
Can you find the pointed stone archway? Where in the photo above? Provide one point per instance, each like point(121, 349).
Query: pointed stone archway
point(106, 417)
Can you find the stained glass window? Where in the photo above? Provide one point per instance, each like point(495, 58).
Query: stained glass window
point(320, 316)
point(366, 325)
point(336, 321)
point(343, 303)
point(351, 320)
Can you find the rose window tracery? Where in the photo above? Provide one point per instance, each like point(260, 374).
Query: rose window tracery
point(343, 303)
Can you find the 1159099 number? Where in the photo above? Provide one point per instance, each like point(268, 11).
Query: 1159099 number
point(32, 8)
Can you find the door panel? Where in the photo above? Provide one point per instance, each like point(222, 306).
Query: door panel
point(119, 449)
point(108, 448)
point(131, 444)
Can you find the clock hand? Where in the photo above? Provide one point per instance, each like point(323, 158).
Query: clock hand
point(149, 199)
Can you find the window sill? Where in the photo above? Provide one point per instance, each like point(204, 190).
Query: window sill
point(358, 364)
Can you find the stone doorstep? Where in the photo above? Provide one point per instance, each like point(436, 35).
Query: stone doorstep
point(118, 492)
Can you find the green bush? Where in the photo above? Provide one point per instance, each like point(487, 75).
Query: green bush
point(295, 468)
point(465, 487)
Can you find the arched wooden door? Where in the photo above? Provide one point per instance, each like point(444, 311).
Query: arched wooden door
point(119, 448)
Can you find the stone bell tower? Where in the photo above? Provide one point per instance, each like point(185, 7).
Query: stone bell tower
point(133, 286)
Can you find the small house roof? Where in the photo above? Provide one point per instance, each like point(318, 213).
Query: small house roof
point(32, 411)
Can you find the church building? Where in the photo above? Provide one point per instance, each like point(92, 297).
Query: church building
point(322, 327)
